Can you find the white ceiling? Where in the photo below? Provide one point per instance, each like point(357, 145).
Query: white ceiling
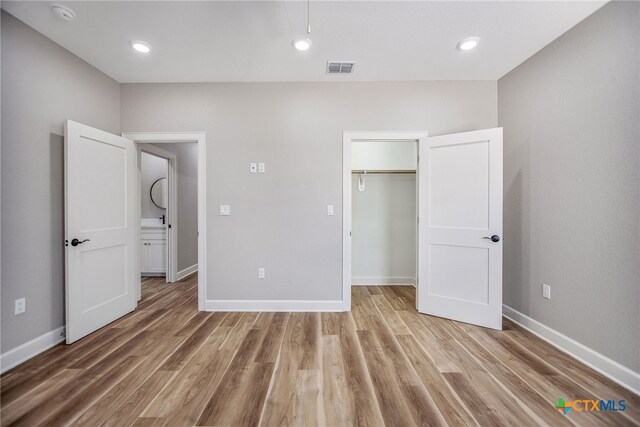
point(250, 41)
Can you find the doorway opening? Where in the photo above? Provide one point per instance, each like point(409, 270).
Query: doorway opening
point(157, 213)
point(379, 209)
point(384, 213)
point(185, 222)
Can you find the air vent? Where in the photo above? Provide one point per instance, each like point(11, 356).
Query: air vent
point(340, 67)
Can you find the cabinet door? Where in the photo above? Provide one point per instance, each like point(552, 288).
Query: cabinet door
point(157, 258)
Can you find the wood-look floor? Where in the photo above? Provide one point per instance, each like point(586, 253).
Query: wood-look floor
point(380, 364)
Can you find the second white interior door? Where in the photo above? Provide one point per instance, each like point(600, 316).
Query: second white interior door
point(460, 227)
point(100, 206)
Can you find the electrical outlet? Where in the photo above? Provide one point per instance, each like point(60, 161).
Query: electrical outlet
point(252, 168)
point(546, 291)
point(330, 210)
point(261, 273)
point(21, 306)
point(261, 167)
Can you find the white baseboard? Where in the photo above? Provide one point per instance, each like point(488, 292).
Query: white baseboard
point(357, 281)
point(272, 305)
point(607, 367)
point(30, 349)
point(187, 271)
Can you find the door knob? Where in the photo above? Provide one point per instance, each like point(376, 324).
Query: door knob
point(76, 242)
point(495, 238)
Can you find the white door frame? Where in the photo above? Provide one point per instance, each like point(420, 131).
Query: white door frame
point(200, 139)
point(171, 253)
point(347, 139)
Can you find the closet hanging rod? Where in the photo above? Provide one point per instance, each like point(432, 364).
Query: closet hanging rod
point(379, 172)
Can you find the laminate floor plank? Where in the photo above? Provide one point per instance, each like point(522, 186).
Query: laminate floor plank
point(239, 397)
point(338, 410)
point(391, 315)
point(71, 409)
point(131, 409)
point(548, 381)
point(591, 380)
point(449, 404)
point(272, 342)
point(166, 364)
point(392, 297)
point(99, 412)
point(515, 383)
point(395, 411)
point(35, 397)
point(360, 392)
point(195, 339)
point(291, 399)
point(420, 402)
point(438, 350)
point(486, 387)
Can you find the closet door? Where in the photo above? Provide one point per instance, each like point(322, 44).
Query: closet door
point(460, 227)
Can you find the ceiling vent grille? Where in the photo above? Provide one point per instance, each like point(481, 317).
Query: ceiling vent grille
point(340, 67)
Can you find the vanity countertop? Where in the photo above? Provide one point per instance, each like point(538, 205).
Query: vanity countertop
point(153, 223)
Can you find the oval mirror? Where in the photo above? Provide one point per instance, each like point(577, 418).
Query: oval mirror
point(159, 193)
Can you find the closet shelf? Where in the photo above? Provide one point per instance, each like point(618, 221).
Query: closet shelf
point(382, 171)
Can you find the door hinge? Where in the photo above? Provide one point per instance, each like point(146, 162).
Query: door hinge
point(418, 158)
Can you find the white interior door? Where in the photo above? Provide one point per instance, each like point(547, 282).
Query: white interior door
point(460, 228)
point(100, 208)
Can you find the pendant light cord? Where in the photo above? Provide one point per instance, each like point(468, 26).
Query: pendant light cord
point(284, 3)
point(309, 17)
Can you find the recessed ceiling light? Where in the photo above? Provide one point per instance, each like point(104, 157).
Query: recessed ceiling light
point(303, 44)
point(468, 43)
point(141, 47)
point(63, 12)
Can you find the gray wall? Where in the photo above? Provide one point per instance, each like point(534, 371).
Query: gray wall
point(152, 168)
point(278, 219)
point(384, 229)
point(572, 183)
point(187, 226)
point(42, 85)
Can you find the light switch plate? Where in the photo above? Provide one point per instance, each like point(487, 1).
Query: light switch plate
point(21, 306)
point(252, 168)
point(225, 210)
point(261, 167)
point(330, 210)
point(546, 291)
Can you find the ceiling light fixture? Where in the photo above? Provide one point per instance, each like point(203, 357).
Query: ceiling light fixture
point(303, 44)
point(468, 43)
point(63, 12)
point(300, 44)
point(141, 47)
